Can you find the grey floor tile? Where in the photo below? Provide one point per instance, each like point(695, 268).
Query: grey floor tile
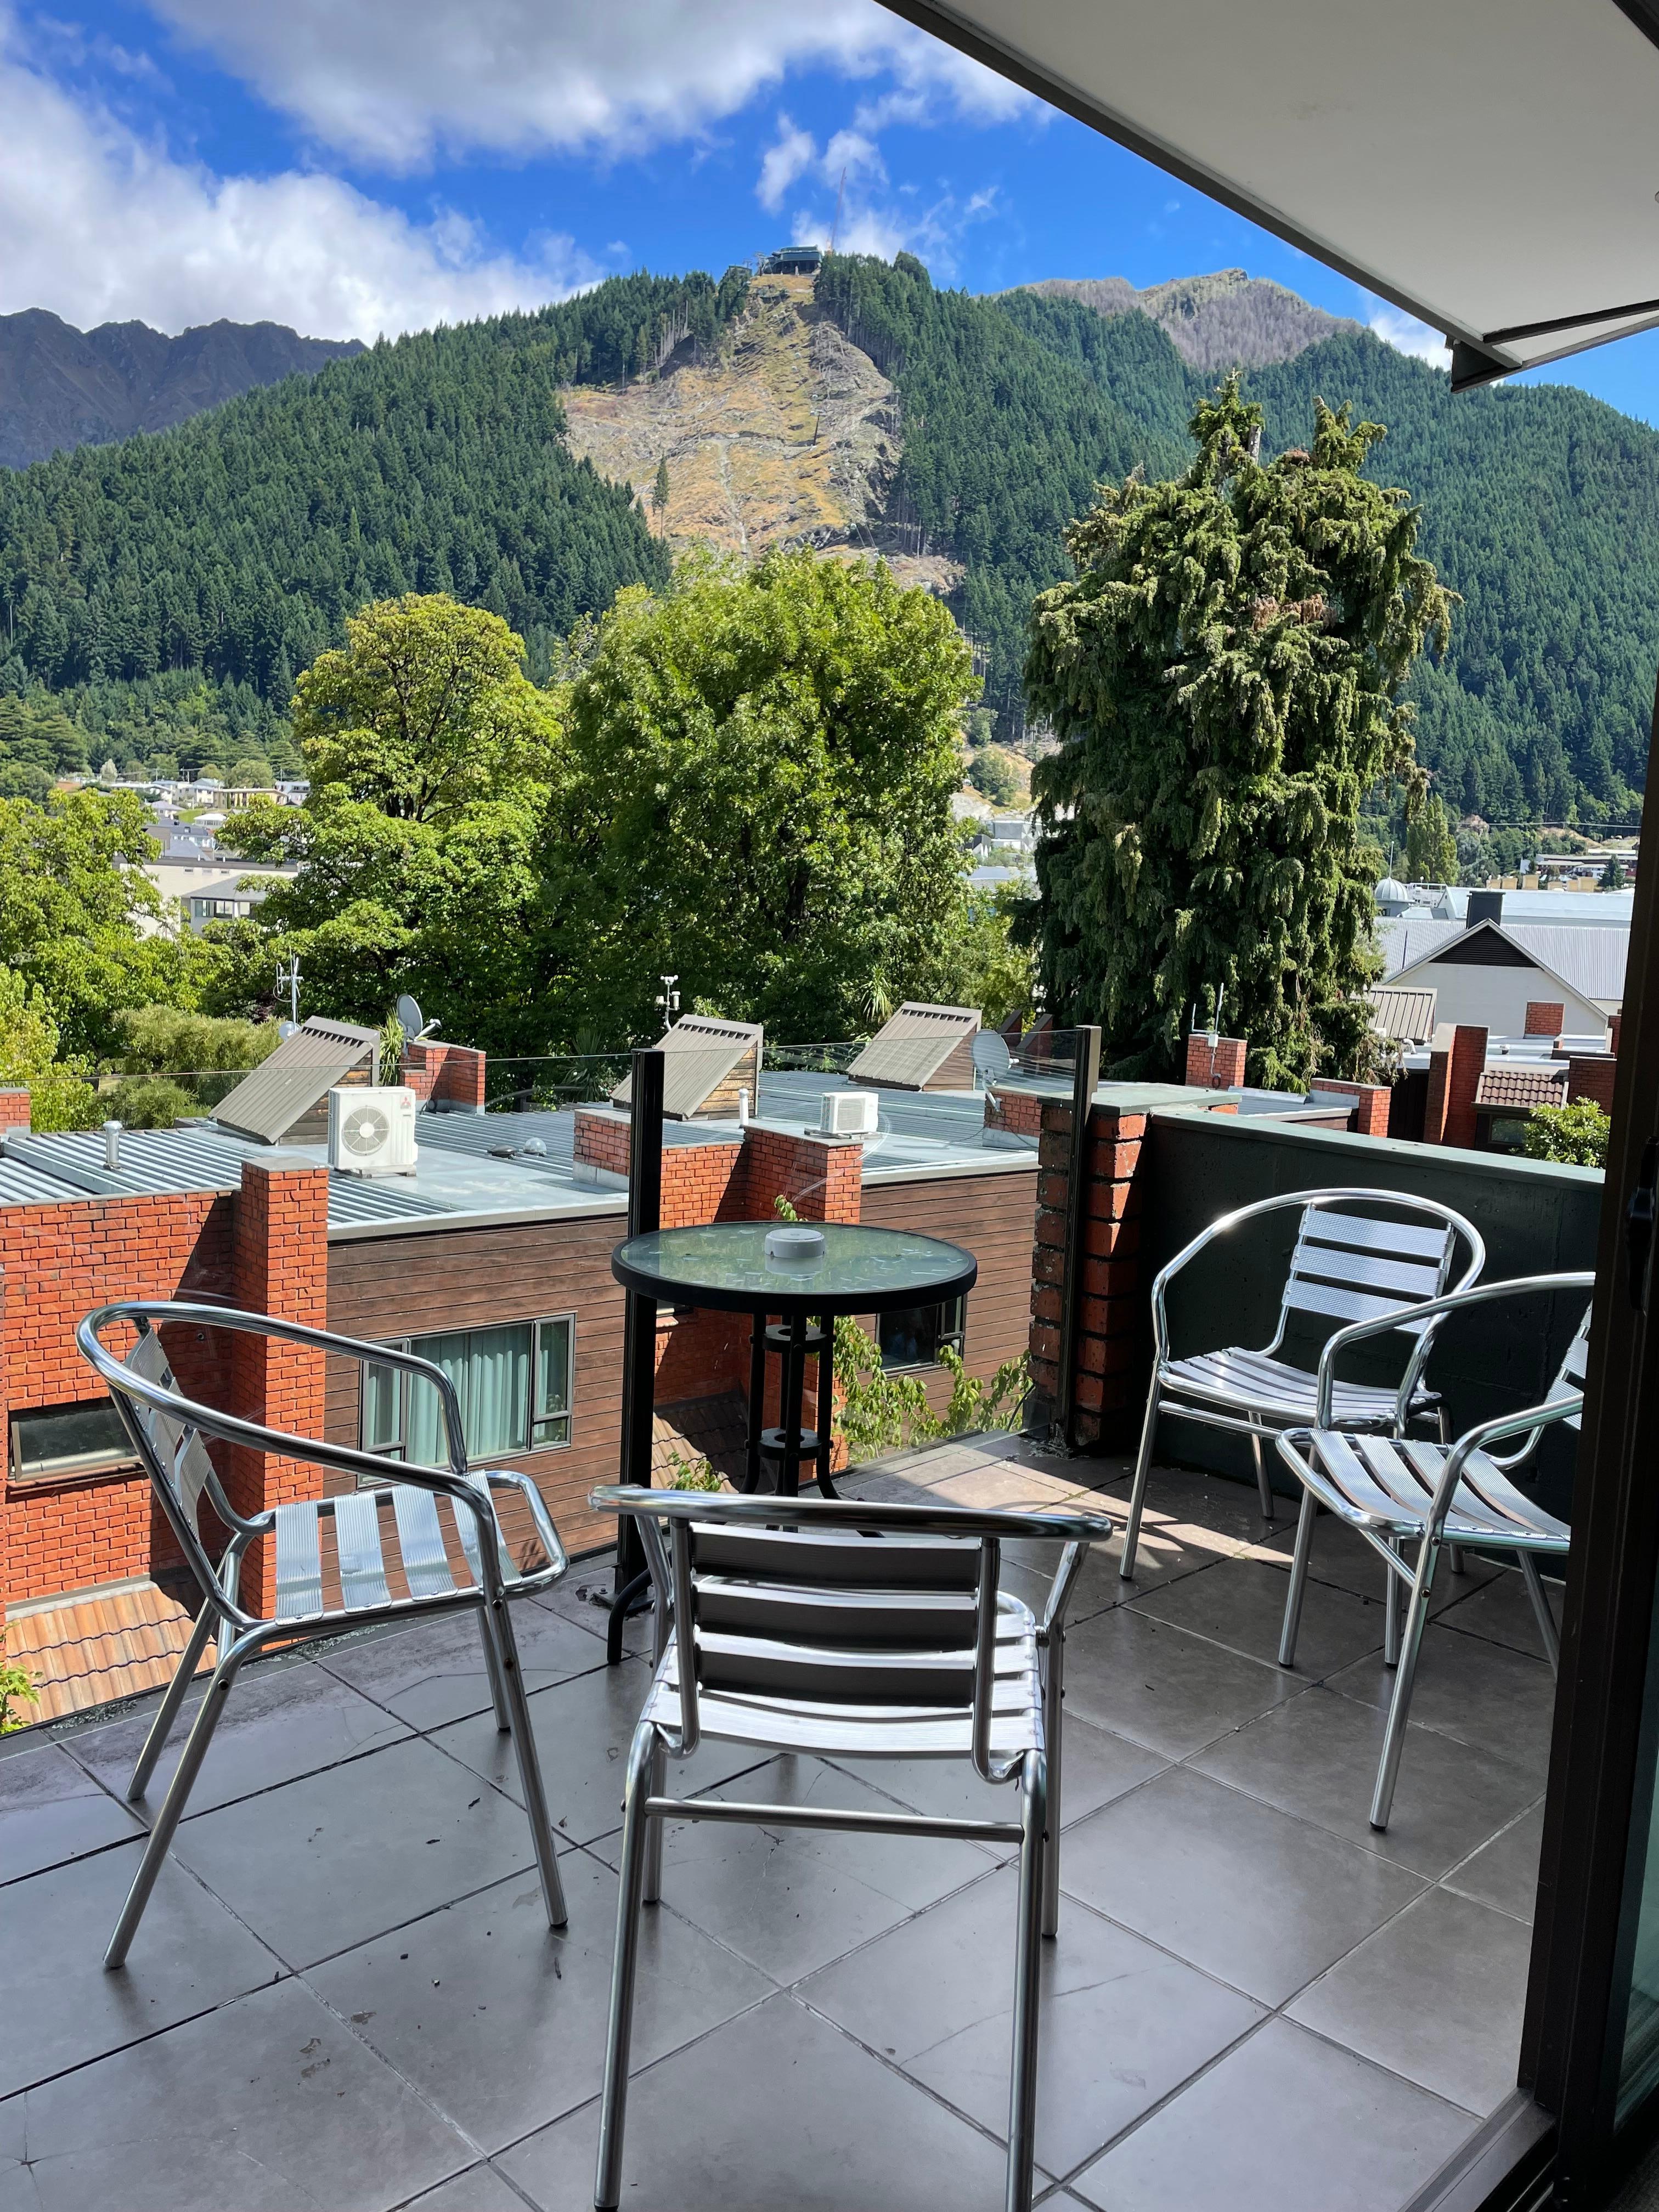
point(51, 1811)
point(573, 1597)
point(1122, 2024)
point(1436, 1996)
point(1285, 2123)
point(502, 2021)
point(1344, 1559)
point(269, 2104)
point(189, 1954)
point(1477, 1691)
point(1241, 1603)
point(481, 2189)
point(775, 2109)
point(1161, 1686)
point(791, 1899)
point(1500, 1610)
point(583, 1729)
point(1244, 1892)
point(333, 1859)
point(279, 1722)
point(436, 1672)
point(1317, 1758)
point(1504, 1872)
point(1098, 1767)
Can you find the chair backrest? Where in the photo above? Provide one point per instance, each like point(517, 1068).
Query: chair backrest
point(177, 1457)
point(1349, 1267)
point(1570, 1376)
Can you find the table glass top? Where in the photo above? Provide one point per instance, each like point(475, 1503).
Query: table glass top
point(731, 1257)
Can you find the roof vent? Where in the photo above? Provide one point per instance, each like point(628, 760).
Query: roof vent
point(1484, 906)
point(112, 1148)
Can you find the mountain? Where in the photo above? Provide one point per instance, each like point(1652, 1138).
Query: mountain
point(165, 590)
point(1213, 321)
point(61, 387)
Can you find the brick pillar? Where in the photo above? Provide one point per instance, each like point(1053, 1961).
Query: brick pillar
point(279, 1266)
point(821, 1177)
point(461, 1079)
point(1613, 1039)
point(1371, 1109)
point(1228, 1071)
point(14, 1110)
point(1590, 1075)
point(5, 1463)
point(1545, 1018)
point(1111, 1320)
point(1201, 1060)
point(1455, 1073)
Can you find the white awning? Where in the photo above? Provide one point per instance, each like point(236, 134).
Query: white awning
point(1490, 165)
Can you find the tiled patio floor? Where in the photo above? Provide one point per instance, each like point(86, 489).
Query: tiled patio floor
point(344, 1995)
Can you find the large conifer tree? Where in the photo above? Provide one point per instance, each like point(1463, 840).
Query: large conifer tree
point(1224, 676)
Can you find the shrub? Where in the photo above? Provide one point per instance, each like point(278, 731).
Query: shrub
point(142, 1102)
point(1575, 1135)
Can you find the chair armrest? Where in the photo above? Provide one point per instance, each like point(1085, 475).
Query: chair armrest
point(1038, 1526)
point(1060, 1591)
point(541, 1520)
point(1430, 1310)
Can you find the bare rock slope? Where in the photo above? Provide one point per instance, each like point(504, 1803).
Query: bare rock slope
point(1213, 321)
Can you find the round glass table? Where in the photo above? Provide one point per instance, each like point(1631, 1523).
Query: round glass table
point(845, 1268)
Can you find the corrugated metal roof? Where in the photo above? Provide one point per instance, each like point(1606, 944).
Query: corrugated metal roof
point(700, 1052)
point(1407, 1014)
point(302, 1070)
point(913, 1044)
point(70, 1163)
point(1407, 938)
point(1592, 960)
point(488, 1134)
point(363, 1198)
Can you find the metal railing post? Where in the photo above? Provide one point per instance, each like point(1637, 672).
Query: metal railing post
point(1084, 1080)
point(639, 1328)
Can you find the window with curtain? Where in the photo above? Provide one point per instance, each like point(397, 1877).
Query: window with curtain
point(914, 1335)
point(513, 1385)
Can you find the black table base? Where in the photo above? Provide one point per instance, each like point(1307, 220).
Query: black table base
point(783, 1448)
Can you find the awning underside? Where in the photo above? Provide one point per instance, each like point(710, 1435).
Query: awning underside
point(1490, 165)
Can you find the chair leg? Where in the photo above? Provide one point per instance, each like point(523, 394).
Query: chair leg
point(493, 1668)
point(1138, 1494)
point(1028, 1956)
point(498, 1627)
point(1391, 1615)
point(659, 1779)
point(613, 2104)
point(1454, 1552)
point(1540, 1606)
point(178, 1690)
point(173, 1805)
point(1053, 1693)
point(1264, 1488)
point(1299, 1562)
point(1400, 1706)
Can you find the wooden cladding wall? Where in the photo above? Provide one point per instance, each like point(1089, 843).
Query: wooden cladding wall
point(992, 1216)
point(392, 1287)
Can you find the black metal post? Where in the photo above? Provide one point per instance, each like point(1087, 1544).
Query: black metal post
point(1084, 1080)
point(639, 1333)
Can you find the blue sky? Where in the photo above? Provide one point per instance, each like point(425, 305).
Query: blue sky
point(358, 165)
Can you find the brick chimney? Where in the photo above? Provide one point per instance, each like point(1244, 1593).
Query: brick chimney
point(1214, 1064)
point(1545, 1018)
point(1455, 1069)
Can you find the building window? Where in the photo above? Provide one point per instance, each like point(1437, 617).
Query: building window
point(915, 1336)
point(513, 1384)
point(56, 1444)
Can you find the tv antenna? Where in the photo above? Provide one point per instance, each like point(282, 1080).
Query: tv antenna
point(287, 979)
point(835, 228)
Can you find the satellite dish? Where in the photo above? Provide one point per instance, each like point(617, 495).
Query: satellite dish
point(409, 1013)
point(991, 1057)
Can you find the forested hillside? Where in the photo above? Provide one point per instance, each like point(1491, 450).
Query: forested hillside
point(237, 544)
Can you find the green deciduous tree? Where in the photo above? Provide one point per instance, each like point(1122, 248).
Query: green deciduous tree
point(79, 918)
point(173, 1040)
point(1224, 677)
point(758, 797)
point(1577, 1134)
point(1431, 847)
point(426, 709)
point(60, 1097)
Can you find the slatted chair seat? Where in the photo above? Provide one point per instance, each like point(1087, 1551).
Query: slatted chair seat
point(858, 1630)
point(1360, 1257)
point(1283, 1393)
point(170, 1431)
point(1398, 1491)
point(365, 1581)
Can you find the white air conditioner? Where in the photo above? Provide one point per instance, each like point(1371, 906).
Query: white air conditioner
point(848, 1114)
point(371, 1129)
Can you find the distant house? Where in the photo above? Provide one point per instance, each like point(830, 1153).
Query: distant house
point(794, 261)
point(1496, 974)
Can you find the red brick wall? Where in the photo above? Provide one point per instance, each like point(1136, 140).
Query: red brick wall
point(450, 1073)
point(1111, 1317)
point(822, 1178)
point(1545, 1018)
point(1217, 1066)
point(1590, 1075)
point(602, 1141)
point(14, 1110)
point(1371, 1101)
point(1454, 1073)
point(57, 1262)
point(1014, 1111)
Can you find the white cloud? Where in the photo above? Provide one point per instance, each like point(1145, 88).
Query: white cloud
point(1407, 335)
point(394, 82)
point(792, 153)
point(101, 224)
point(931, 233)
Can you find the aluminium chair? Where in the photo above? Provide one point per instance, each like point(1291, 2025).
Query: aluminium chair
point(169, 1431)
point(847, 1628)
point(1381, 1264)
point(1396, 1490)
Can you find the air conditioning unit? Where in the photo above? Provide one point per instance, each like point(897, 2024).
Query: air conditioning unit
point(848, 1113)
point(371, 1129)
